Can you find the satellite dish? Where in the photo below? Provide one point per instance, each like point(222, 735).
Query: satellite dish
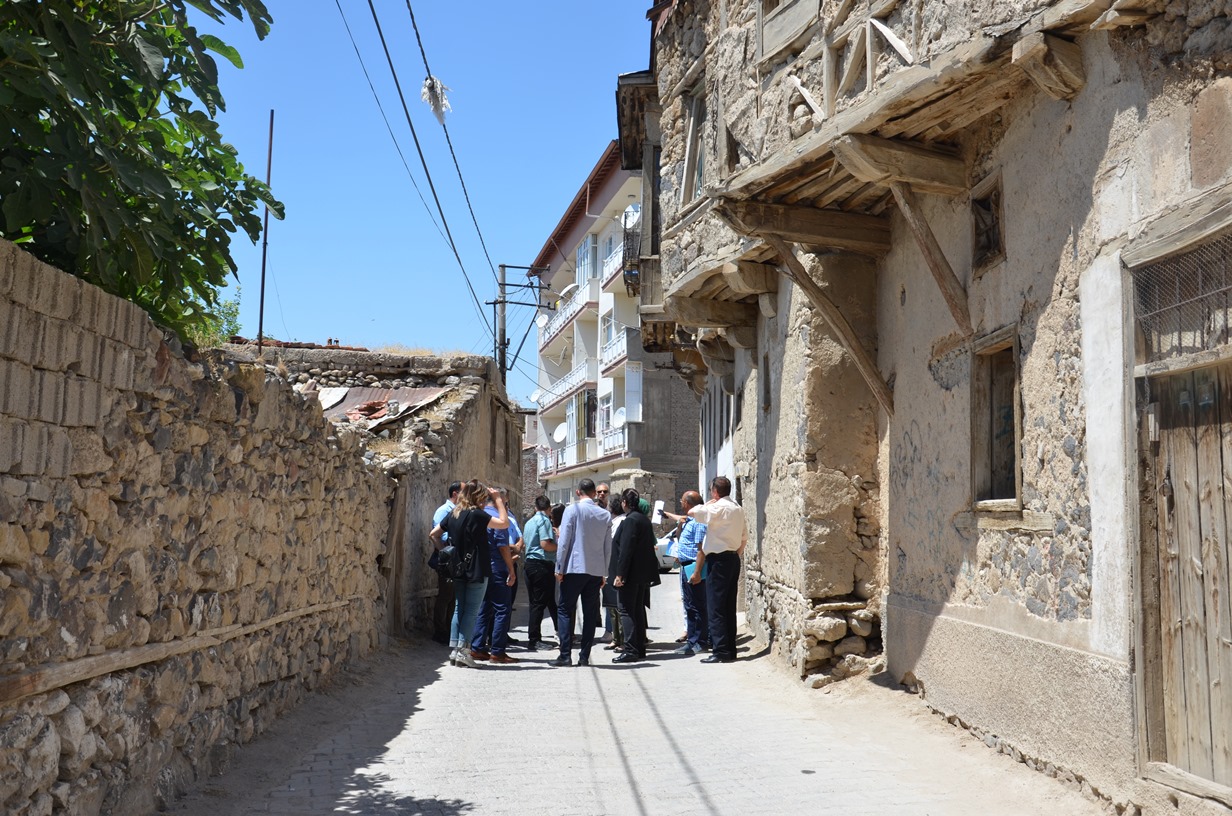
point(562, 431)
point(618, 418)
point(568, 290)
point(631, 215)
point(541, 320)
point(536, 394)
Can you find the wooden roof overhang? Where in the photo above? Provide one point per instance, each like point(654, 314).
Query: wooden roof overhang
point(830, 190)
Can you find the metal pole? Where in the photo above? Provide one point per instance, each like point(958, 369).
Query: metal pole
point(269, 167)
point(501, 343)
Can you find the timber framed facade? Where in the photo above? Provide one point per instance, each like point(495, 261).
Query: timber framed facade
point(965, 275)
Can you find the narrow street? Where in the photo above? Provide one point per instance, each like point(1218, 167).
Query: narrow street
point(409, 734)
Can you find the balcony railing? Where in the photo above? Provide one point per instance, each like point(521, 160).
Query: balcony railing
point(570, 309)
point(614, 440)
point(571, 382)
point(616, 350)
point(551, 461)
point(614, 263)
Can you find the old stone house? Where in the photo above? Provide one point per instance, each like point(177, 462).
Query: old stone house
point(959, 271)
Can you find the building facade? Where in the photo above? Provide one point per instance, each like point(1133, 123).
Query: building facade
point(961, 273)
point(607, 409)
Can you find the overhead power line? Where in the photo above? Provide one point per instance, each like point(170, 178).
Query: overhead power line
point(427, 173)
point(363, 67)
point(449, 141)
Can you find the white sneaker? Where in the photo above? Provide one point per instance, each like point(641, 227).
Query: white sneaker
point(463, 658)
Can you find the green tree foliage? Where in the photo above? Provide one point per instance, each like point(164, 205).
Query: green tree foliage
point(219, 326)
point(111, 163)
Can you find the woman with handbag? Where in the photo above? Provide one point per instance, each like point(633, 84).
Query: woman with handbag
point(467, 527)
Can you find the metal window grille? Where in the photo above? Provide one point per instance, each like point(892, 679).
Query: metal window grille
point(1184, 302)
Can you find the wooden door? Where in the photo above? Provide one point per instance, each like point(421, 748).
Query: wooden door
point(1195, 514)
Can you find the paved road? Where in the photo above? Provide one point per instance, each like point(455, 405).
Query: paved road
point(409, 734)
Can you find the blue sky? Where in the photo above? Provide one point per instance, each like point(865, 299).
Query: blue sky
point(358, 258)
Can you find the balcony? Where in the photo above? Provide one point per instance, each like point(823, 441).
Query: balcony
point(551, 461)
point(613, 264)
point(583, 296)
point(587, 372)
point(613, 441)
point(616, 350)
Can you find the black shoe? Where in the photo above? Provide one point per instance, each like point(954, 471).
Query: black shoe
point(626, 657)
point(714, 658)
point(533, 647)
point(686, 650)
point(563, 660)
point(584, 661)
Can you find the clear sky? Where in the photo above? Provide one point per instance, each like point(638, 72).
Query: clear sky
point(358, 258)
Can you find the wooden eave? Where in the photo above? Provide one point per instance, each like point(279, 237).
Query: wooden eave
point(604, 169)
point(636, 94)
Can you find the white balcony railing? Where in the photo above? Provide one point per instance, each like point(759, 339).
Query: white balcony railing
point(551, 461)
point(613, 262)
point(614, 440)
point(617, 349)
point(567, 310)
point(588, 371)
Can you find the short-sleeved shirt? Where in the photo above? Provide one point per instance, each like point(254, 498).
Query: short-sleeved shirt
point(538, 530)
point(690, 540)
point(439, 516)
point(496, 540)
point(724, 520)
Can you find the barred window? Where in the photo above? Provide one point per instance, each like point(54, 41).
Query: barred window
point(1183, 302)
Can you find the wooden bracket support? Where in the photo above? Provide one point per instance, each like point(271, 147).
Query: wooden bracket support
point(696, 312)
point(835, 229)
point(1054, 64)
point(953, 292)
point(794, 270)
point(875, 160)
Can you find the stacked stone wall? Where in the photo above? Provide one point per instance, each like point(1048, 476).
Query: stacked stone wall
point(186, 548)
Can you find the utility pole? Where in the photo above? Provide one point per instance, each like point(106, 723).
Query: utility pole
point(269, 169)
point(502, 342)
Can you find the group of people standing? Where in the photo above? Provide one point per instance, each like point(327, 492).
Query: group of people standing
point(598, 547)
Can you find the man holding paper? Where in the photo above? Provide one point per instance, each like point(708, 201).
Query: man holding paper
point(692, 594)
point(719, 559)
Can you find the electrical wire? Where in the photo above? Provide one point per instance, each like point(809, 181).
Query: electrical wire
point(424, 162)
point(465, 193)
point(385, 119)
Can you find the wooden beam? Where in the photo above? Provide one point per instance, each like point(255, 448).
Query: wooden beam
point(716, 313)
point(1054, 64)
point(1204, 216)
point(797, 274)
point(880, 161)
point(749, 278)
point(866, 234)
point(744, 337)
point(953, 292)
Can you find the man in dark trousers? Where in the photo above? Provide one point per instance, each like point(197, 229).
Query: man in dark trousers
point(442, 608)
point(540, 562)
point(637, 570)
point(726, 536)
point(582, 553)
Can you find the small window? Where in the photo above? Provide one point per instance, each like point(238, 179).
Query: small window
point(605, 412)
point(782, 24)
point(695, 147)
point(996, 422)
point(607, 328)
point(988, 247)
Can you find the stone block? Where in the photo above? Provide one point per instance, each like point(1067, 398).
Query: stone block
point(59, 453)
point(82, 402)
point(1210, 151)
point(17, 398)
point(14, 545)
point(12, 433)
point(50, 354)
point(49, 397)
point(33, 450)
point(8, 261)
point(132, 324)
point(20, 334)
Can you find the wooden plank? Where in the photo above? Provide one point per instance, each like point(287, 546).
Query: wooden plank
point(927, 170)
point(845, 334)
point(865, 234)
point(698, 313)
point(1176, 778)
point(819, 112)
point(1171, 639)
point(1212, 522)
point(1054, 64)
point(1221, 577)
point(850, 73)
point(934, 258)
point(894, 40)
point(861, 199)
point(845, 189)
point(1189, 563)
point(1202, 217)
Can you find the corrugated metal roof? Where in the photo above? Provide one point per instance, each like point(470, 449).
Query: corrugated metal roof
point(408, 399)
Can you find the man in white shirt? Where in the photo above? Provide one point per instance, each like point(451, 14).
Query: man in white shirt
point(583, 550)
point(726, 536)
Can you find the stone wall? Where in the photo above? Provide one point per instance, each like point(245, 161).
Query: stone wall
point(470, 431)
point(186, 548)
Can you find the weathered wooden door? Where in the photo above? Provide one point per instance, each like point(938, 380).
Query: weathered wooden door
point(1195, 526)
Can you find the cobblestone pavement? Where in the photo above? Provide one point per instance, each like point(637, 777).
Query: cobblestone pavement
point(409, 734)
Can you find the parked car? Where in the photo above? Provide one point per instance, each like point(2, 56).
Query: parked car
point(667, 563)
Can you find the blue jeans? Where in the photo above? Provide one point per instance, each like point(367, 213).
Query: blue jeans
point(492, 626)
point(696, 616)
point(575, 586)
point(467, 596)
